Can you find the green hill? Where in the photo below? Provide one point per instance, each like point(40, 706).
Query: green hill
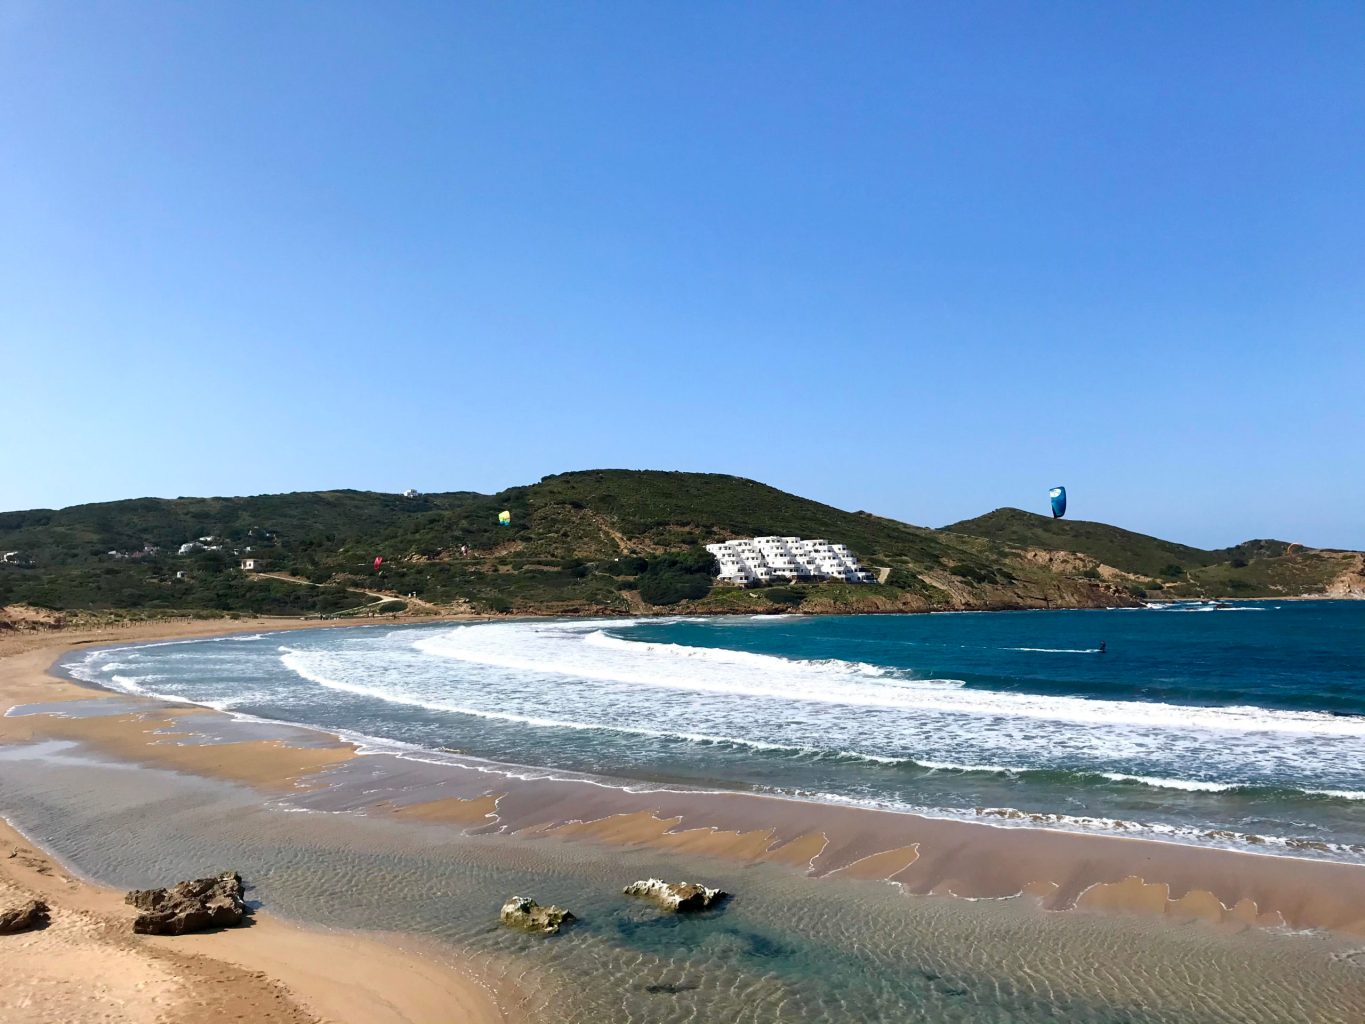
point(599, 541)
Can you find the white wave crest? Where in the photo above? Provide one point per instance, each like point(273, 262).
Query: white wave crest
point(1340, 794)
point(1188, 785)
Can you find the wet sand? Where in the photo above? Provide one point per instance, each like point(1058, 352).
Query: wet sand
point(1063, 870)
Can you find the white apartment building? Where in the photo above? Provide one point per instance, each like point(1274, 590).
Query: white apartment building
point(763, 559)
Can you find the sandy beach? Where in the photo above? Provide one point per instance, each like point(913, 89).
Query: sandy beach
point(88, 960)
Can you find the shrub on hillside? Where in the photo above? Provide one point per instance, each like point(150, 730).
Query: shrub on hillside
point(626, 565)
point(977, 573)
point(672, 587)
point(904, 579)
point(788, 596)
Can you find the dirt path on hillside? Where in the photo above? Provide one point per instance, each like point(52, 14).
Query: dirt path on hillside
point(379, 596)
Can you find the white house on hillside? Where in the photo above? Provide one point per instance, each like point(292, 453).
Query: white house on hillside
point(762, 559)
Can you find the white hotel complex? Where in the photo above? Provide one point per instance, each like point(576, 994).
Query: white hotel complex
point(770, 558)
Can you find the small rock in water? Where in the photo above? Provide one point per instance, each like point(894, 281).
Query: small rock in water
point(524, 912)
point(679, 896)
point(190, 906)
point(32, 914)
point(669, 988)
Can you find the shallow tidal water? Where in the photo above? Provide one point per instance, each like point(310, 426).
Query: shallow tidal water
point(786, 948)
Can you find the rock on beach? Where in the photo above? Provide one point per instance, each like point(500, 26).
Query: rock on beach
point(191, 906)
point(24, 917)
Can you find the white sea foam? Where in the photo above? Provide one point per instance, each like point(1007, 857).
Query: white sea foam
point(138, 686)
point(1009, 817)
point(1340, 794)
point(299, 667)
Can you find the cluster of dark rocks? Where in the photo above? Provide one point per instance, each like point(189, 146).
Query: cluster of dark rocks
point(192, 906)
point(679, 897)
point(24, 917)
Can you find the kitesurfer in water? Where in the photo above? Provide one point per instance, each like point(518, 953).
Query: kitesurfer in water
point(1103, 646)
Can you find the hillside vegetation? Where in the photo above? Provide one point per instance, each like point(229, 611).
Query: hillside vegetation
point(1255, 568)
point(599, 542)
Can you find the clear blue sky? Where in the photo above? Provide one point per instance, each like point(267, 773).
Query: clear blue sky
point(922, 259)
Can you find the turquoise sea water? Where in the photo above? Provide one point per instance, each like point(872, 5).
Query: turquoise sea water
point(1241, 726)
